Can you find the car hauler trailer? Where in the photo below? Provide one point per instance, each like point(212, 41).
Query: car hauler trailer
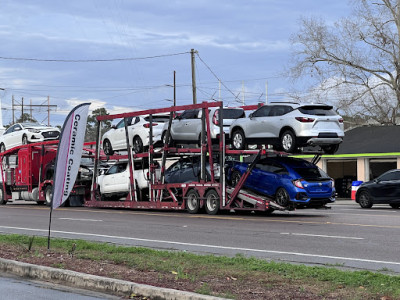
point(27, 174)
point(206, 193)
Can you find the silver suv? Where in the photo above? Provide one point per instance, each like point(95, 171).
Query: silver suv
point(186, 128)
point(288, 126)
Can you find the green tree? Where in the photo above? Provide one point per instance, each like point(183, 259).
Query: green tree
point(25, 118)
point(91, 127)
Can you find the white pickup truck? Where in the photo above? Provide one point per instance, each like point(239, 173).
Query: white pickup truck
point(116, 180)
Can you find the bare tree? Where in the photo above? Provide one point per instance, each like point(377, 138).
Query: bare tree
point(356, 60)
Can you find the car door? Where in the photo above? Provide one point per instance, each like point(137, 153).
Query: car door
point(184, 127)
point(6, 137)
point(121, 178)
point(276, 120)
point(264, 178)
point(118, 137)
point(173, 173)
point(386, 187)
point(15, 137)
point(255, 127)
point(107, 184)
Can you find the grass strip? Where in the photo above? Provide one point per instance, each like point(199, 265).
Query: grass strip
point(193, 267)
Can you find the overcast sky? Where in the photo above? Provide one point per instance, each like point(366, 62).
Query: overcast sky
point(242, 43)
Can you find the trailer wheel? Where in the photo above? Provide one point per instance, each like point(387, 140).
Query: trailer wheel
point(2, 198)
point(212, 202)
point(137, 145)
point(107, 147)
point(193, 202)
point(48, 194)
point(282, 197)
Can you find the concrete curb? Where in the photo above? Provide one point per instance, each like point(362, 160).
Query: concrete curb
point(96, 283)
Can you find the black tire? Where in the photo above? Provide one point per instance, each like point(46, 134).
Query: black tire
point(288, 141)
point(331, 149)
point(212, 202)
point(235, 177)
point(192, 202)
point(395, 205)
point(24, 140)
point(282, 197)
point(164, 136)
point(238, 140)
point(48, 194)
point(107, 147)
point(3, 201)
point(2, 148)
point(364, 199)
point(137, 144)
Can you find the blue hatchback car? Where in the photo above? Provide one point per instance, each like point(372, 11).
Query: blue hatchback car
point(291, 182)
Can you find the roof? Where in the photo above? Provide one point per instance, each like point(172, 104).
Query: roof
point(371, 139)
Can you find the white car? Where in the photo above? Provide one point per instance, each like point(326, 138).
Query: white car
point(116, 180)
point(138, 130)
point(24, 133)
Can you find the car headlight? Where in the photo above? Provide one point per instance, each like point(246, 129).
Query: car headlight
point(34, 130)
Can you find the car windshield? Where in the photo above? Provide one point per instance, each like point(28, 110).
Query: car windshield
point(317, 110)
point(31, 125)
point(309, 173)
point(233, 113)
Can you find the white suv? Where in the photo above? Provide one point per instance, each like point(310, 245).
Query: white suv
point(138, 130)
point(288, 126)
point(186, 128)
point(116, 180)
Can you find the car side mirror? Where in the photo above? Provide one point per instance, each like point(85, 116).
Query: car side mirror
point(114, 127)
point(251, 115)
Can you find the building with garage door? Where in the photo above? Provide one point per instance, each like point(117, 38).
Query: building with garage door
point(366, 153)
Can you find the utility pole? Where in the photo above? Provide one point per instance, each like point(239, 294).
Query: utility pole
point(22, 106)
point(31, 108)
point(192, 52)
point(174, 88)
point(242, 92)
point(266, 92)
point(48, 110)
point(12, 108)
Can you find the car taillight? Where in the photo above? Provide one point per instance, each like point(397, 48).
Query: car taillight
point(215, 118)
point(298, 183)
point(340, 120)
point(304, 120)
point(147, 125)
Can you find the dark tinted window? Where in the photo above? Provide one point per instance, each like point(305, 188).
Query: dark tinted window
point(280, 110)
point(262, 111)
point(390, 176)
point(317, 110)
point(309, 173)
point(190, 114)
point(233, 113)
point(160, 119)
point(272, 167)
point(9, 130)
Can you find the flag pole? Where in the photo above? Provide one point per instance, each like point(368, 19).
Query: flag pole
point(48, 237)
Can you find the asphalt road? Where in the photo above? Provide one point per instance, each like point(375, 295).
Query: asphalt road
point(345, 236)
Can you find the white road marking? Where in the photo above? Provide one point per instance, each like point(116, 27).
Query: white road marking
point(211, 246)
point(325, 236)
point(72, 219)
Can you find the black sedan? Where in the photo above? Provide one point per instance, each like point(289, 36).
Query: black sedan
point(383, 190)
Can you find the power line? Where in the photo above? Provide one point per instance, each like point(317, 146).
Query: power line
point(91, 60)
